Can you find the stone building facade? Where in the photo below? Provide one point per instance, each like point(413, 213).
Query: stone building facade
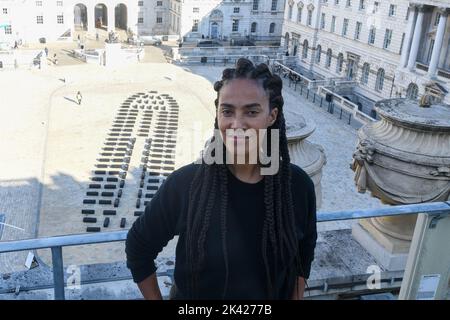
point(30, 20)
point(374, 44)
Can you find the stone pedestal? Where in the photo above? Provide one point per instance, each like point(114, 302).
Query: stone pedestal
point(308, 156)
point(402, 159)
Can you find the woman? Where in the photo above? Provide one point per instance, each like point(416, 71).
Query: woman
point(242, 235)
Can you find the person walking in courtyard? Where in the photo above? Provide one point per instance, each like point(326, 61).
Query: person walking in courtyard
point(244, 232)
point(79, 97)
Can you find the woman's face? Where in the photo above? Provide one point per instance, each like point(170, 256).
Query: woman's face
point(243, 104)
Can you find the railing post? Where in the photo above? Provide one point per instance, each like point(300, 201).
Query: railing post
point(314, 98)
point(321, 100)
point(307, 94)
point(58, 273)
point(349, 118)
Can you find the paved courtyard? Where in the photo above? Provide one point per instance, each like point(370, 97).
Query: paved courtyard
point(51, 146)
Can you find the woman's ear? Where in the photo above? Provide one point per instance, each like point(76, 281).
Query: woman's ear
point(273, 116)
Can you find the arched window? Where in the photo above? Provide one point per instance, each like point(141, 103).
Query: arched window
point(253, 27)
point(305, 49)
point(255, 5)
point(272, 28)
point(340, 62)
point(380, 80)
point(329, 56)
point(286, 41)
point(365, 73)
point(318, 53)
point(413, 91)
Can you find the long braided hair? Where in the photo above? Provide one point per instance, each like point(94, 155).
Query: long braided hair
point(210, 182)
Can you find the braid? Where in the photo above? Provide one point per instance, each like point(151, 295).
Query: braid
point(207, 217)
point(223, 221)
point(269, 219)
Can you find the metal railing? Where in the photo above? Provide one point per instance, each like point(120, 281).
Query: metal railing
point(223, 59)
point(346, 105)
point(309, 83)
point(56, 244)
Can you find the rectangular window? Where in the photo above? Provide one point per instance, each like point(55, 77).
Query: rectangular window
point(372, 34)
point(430, 50)
point(376, 6)
point(402, 43)
point(195, 25)
point(274, 5)
point(309, 17)
point(299, 15)
point(140, 20)
point(59, 3)
point(60, 19)
point(5, 10)
point(255, 5)
point(235, 26)
point(38, 3)
point(236, 9)
point(140, 3)
point(159, 3)
point(322, 21)
point(358, 30)
point(40, 19)
point(195, 10)
point(348, 3)
point(159, 18)
point(333, 23)
point(387, 38)
point(8, 29)
point(362, 4)
point(436, 21)
point(392, 10)
point(345, 28)
point(336, 2)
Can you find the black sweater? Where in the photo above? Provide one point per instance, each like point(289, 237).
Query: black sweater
point(165, 217)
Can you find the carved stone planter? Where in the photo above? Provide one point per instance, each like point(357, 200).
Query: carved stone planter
point(309, 156)
point(402, 159)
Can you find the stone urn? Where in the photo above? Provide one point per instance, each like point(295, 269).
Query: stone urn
point(308, 156)
point(402, 159)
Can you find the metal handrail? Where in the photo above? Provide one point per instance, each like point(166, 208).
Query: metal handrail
point(347, 105)
point(56, 243)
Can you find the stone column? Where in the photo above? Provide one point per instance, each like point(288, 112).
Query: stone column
point(416, 39)
point(408, 36)
point(111, 17)
point(132, 18)
point(70, 16)
point(91, 19)
point(438, 43)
